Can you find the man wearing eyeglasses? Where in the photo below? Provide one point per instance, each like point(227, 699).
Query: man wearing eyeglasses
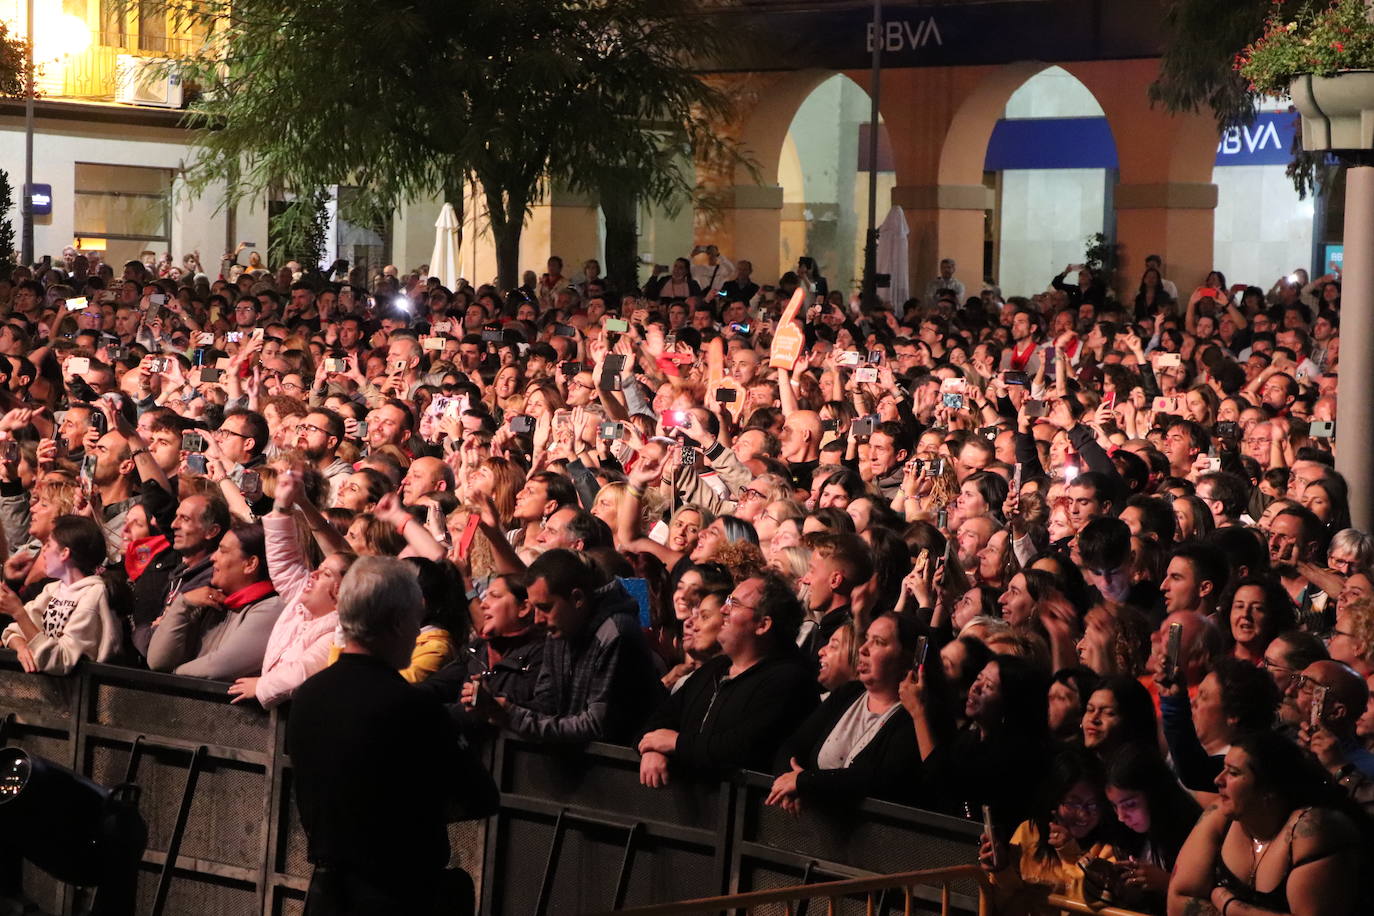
point(318, 437)
point(246, 314)
point(1285, 658)
point(242, 439)
point(739, 708)
point(1332, 739)
point(581, 390)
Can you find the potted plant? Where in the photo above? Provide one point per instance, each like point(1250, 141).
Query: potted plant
point(1323, 58)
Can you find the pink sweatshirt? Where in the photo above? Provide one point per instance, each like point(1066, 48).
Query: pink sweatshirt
point(299, 644)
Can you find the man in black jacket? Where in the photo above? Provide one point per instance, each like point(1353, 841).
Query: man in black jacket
point(745, 702)
point(373, 759)
point(598, 681)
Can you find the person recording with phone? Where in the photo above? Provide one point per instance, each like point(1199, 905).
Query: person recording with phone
point(1072, 825)
point(860, 741)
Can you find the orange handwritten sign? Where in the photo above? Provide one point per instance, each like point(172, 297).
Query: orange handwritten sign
point(789, 341)
point(717, 380)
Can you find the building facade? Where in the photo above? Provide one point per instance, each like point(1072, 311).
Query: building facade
point(1009, 131)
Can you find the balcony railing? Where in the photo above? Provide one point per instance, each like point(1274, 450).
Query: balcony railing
point(95, 72)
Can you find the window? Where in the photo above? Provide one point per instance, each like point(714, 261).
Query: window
point(128, 206)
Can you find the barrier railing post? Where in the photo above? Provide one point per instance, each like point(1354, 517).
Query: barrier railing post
point(804, 905)
point(622, 883)
point(188, 794)
point(546, 885)
point(135, 752)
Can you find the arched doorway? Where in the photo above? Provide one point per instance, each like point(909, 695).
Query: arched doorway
point(823, 172)
point(1051, 160)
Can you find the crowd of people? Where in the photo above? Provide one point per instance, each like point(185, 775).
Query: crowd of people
point(1075, 565)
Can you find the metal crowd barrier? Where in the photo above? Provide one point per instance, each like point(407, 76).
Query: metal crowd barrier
point(575, 832)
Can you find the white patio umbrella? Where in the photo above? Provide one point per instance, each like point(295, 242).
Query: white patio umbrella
point(893, 257)
point(443, 263)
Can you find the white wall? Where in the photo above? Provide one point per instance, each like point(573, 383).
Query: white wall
point(197, 223)
point(1052, 93)
point(821, 181)
point(1262, 229)
point(1047, 215)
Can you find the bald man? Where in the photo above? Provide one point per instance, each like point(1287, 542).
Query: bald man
point(1333, 740)
point(1199, 644)
point(426, 475)
point(801, 447)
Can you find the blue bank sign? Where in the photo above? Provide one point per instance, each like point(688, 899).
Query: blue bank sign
point(1086, 143)
point(1269, 141)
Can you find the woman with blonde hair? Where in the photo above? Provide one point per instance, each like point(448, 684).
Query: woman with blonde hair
point(922, 494)
point(606, 506)
point(505, 395)
point(792, 562)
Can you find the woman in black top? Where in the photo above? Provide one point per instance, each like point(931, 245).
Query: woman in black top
point(1275, 843)
point(860, 741)
point(1000, 758)
point(1156, 814)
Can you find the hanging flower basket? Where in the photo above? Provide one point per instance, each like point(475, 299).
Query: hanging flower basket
point(1337, 111)
point(1323, 58)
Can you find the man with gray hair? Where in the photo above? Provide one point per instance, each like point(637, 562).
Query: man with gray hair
point(369, 754)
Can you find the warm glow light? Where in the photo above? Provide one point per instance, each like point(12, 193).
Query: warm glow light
point(88, 244)
point(58, 36)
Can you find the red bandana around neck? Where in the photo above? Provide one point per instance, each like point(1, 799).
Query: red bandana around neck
point(247, 595)
point(141, 552)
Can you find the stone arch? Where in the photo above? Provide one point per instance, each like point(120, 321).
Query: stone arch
point(973, 121)
point(748, 213)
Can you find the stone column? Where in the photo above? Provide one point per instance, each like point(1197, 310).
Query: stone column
point(1173, 220)
point(1355, 397)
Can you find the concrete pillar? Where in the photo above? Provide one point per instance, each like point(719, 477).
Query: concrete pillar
point(946, 221)
point(747, 224)
point(1172, 220)
point(1354, 405)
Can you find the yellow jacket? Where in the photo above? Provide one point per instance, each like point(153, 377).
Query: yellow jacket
point(433, 650)
point(1017, 888)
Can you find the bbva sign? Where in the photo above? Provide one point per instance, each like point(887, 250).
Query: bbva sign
point(1249, 139)
point(905, 35)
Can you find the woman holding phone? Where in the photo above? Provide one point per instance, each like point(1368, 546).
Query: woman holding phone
point(1074, 823)
point(860, 741)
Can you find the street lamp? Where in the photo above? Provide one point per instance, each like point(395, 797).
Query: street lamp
point(869, 295)
point(26, 210)
point(67, 35)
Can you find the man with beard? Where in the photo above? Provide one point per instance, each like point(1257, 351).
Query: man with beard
point(318, 437)
point(1024, 355)
point(113, 480)
point(971, 537)
point(1296, 536)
